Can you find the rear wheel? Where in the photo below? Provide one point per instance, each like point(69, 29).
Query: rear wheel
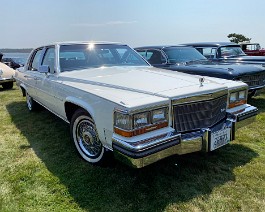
point(84, 134)
point(8, 85)
point(32, 105)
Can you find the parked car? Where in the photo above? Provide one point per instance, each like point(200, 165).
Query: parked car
point(189, 60)
point(252, 49)
point(14, 62)
point(6, 76)
point(226, 52)
point(114, 100)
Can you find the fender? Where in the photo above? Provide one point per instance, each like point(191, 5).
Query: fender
point(81, 103)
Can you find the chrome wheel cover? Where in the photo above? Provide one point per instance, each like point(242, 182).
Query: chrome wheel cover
point(87, 138)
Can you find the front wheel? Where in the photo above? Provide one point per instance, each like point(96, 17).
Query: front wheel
point(84, 134)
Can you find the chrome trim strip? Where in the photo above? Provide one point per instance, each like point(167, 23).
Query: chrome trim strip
point(147, 143)
point(238, 89)
point(199, 98)
point(149, 109)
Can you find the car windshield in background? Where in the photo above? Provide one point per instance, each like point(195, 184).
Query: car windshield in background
point(230, 51)
point(81, 56)
point(183, 54)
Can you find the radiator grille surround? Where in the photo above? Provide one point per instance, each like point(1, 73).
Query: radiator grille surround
point(200, 114)
point(254, 80)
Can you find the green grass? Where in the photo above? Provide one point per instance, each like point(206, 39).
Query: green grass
point(41, 171)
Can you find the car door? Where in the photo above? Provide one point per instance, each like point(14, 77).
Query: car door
point(46, 82)
point(31, 72)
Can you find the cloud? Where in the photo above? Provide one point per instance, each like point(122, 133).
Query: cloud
point(111, 23)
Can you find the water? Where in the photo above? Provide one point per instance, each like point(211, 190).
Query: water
point(17, 57)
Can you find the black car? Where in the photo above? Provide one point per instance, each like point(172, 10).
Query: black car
point(226, 51)
point(14, 62)
point(188, 60)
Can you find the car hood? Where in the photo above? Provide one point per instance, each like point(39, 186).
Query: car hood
point(236, 69)
point(257, 59)
point(142, 80)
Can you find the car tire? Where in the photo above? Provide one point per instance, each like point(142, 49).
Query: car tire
point(84, 134)
point(7, 85)
point(31, 104)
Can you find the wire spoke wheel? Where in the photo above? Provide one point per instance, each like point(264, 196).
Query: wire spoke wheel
point(85, 137)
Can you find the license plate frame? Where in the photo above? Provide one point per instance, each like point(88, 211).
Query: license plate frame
point(220, 138)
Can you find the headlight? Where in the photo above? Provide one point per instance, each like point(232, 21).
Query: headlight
point(141, 119)
point(233, 97)
point(123, 121)
point(237, 98)
point(242, 95)
point(129, 125)
point(159, 115)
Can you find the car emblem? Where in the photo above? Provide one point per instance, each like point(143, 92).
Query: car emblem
point(201, 80)
point(222, 110)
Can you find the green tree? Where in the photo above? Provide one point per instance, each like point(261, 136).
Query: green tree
point(237, 38)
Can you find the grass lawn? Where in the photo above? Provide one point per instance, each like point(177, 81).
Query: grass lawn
point(41, 171)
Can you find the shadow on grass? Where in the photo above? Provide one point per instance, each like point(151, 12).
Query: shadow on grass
point(117, 187)
point(258, 102)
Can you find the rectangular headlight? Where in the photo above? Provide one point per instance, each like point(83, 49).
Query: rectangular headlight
point(233, 97)
point(242, 95)
point(133, 124)
point(123, 121)
point(159, 115)
point(237, 98)
point(141, 119)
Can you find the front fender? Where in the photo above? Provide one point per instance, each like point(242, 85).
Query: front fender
point(81, 103)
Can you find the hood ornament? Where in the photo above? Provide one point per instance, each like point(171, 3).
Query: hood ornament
point(201, 80)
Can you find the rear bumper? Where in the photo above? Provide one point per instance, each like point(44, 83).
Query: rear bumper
point(143, 152)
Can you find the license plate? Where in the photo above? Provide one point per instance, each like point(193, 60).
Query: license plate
point(220, 138)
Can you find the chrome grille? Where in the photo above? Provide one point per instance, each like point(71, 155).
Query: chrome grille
point(197, 115)
point(254, 80)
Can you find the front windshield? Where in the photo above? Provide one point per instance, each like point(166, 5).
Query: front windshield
point(81, 56)
point(183, 54)
point(230, 51)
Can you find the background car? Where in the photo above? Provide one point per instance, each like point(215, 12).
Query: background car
point(252, 49)
point(226, 52)
point(14, 62)
point(6, 76)
point(189, 60)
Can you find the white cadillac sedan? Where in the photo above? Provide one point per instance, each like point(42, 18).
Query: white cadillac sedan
point(6, 76)
point(114, 100)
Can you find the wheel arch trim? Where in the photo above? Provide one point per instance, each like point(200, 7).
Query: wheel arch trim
point(80, 103)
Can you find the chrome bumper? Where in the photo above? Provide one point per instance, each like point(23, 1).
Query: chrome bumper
point(4, 80)
point(144, 152)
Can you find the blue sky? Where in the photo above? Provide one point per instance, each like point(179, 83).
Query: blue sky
point(31, 23)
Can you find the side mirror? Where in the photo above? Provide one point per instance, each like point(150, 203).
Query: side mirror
point(44, 69)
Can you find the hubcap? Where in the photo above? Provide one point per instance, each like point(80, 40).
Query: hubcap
point(87, 138)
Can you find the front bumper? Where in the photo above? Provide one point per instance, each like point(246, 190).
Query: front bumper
point(146, 151)
point(5, 80)
point(256, 91)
